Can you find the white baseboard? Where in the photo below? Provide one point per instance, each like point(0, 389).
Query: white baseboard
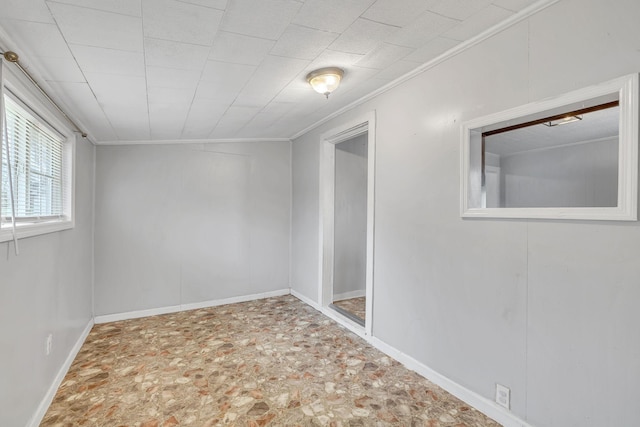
point(184, 307)
point(348, 295)
point(333, 315)
point(482, 404)
point(37, 417)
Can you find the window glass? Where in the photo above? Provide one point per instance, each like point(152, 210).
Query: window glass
point(35, 159)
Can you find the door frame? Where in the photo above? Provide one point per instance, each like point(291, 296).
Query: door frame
point(328, 141)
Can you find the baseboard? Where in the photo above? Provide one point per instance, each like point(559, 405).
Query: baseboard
point(37, 417)
point(333, 315)
point(482, 404)
point(306, 300)
point(348, 295)
point(184, 307)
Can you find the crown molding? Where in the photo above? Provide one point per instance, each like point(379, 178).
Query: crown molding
point(490, 32)
point(191, 141)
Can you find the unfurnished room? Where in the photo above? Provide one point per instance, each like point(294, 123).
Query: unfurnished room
point(340, 213)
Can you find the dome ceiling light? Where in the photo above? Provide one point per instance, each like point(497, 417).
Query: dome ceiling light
point(325, 80)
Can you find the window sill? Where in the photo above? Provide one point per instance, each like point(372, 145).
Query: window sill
point(25, 230)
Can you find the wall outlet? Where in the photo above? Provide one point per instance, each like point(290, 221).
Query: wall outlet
point(49, 344)
point(503, 395)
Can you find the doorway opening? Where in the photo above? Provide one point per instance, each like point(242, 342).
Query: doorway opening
point(347, 224)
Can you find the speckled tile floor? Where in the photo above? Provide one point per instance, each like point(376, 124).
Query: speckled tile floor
point(355, 306)
point(275, 362)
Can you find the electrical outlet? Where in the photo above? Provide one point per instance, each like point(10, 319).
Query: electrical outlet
point(503, 395)
point(49, 344)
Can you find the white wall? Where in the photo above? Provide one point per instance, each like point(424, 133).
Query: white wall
point(45, 290)
point(185, 224)
point(548, 308)
point(575, 176)
point(350, 241)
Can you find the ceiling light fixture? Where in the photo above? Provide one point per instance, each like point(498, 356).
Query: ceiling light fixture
point(562, 121)
point(325, 80)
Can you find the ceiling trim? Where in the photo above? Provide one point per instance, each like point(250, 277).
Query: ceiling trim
point(498, 28)
point(191, 141)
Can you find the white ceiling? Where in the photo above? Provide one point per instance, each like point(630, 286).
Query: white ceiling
point(136, 70)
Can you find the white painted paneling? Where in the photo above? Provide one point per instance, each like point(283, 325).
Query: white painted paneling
point(545, 307)
point(45, 290)
point(181, 224)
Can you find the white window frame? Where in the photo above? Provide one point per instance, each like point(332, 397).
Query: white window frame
point(26, 94)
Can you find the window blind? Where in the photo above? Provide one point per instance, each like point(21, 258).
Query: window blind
point(36, 154)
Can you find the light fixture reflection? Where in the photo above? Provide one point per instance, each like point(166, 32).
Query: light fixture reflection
point(563, 121)
point(325, 80)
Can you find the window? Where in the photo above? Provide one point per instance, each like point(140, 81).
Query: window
point(39, 163)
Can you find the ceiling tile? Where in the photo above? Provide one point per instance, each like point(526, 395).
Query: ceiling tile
point(213, 4)
point(203, 117)
point(167, 120)
point(86, 108)
point(170, 95)
point(27, 10)
point(239, 48)
point(172, 78)
point(117, 90)
point(426, 27)
point(513, 5)
point(179, 21)
point(63, 70)
point(362, 36)
point(397, 13)
point(459, 9)
point(108, 61)
point(38, 39)
point(233, 120)
point(397, 69)
point(265, 18)
point(92, 27)
point(172, 54)
point(302, 42)
point(222, 81)
point(124, 7)
point(384, 55)
point(334, 58)
point(474, 25)
point(120, 116)
point(330, 15)
point(431, 50)
point(271, 77)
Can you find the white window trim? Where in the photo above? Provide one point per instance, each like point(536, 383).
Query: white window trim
point(24, 90)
